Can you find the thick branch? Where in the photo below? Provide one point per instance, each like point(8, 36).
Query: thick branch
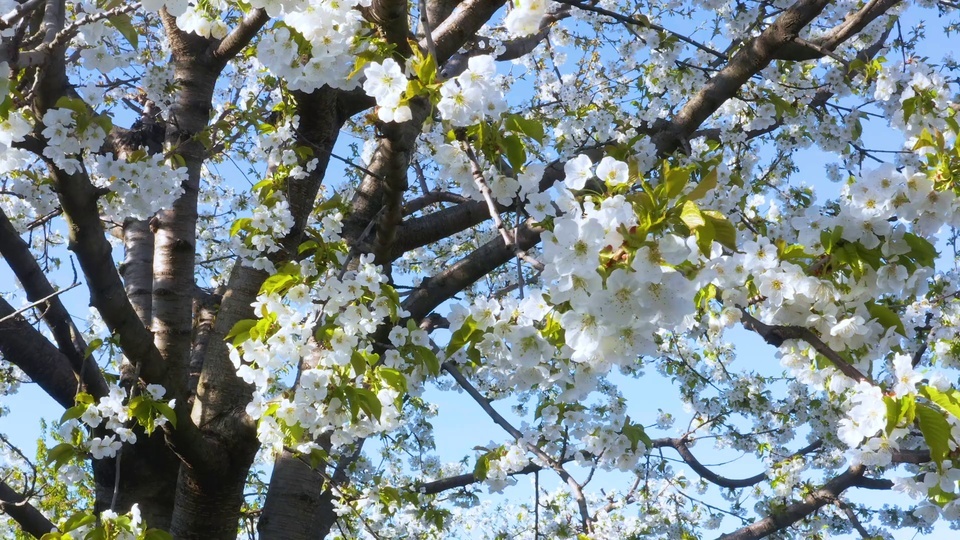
point(137, 267)
point(240, 36)
point(462, 25)
point(394, 155)
point(17, 254)
point(795, 512)
point(15, 505)
point(436, 226)
point(78, 197)
point(391, 16)
point(22, 345)
point(776, 335)
point(380, 193)
point(748, 61)
point(435, 290)
point(799, 50)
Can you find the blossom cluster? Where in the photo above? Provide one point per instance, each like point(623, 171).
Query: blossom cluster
point(324, 319)
point(109, 419)
point(473, 95)
point(66, 139)
point(138, 189)
point(524, 19)
point(303, 51)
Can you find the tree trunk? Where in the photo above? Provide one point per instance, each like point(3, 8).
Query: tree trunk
point(148, 478)
point(137, 267)
point(207, 507)
point(297, 505)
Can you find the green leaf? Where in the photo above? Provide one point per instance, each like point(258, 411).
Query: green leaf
point(705, 234)
point(830, 238)
point(307, 246)
point(4, 88)
point(636, 434)
point(60, 454)
point(369, 403)
point(530, 128)
point(239, 224)
point(78, 520)
point(674, 180)
point(691, 216)
point(724, 231)
point(482, 467)
point(886, 317)
point(516, 154)
point(908, 409)
point(394, 297)
point(706, 184)
point(359, 363)
point(92, 347)
point(329, 204)
point(156, 534)
point(167, 412)
point(462, 336)
point(277, 283)
point(73, 412)
point(393, 378)
point(948, 401)
point(350, 394)
point(240, 331)
point(427, 358)
point(936, 432)
point(893, 413)
point(792, 252)
point(427, 70)
point(124, 25)
point(704, 296)
point(74, 104)
point(921, 250)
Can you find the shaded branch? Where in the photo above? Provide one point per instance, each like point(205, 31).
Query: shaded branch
point(26, 515)
point(793, 513)
point(776, 335)
point(433, 197)
point(69, 340)
point(240, 36)
point(437, 289)
point(747, 62)
point(391, 16)
point(461, 26)
point(511, 49)
point(22, 345)
point(801, 49)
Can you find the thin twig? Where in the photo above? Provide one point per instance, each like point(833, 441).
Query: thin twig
point(427, 29)
point(585, 519)
point(822, 50)
point(643, 24)
point(40, 301)
point(508, 239)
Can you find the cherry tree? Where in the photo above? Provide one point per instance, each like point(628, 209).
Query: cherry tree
point(304, 228)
